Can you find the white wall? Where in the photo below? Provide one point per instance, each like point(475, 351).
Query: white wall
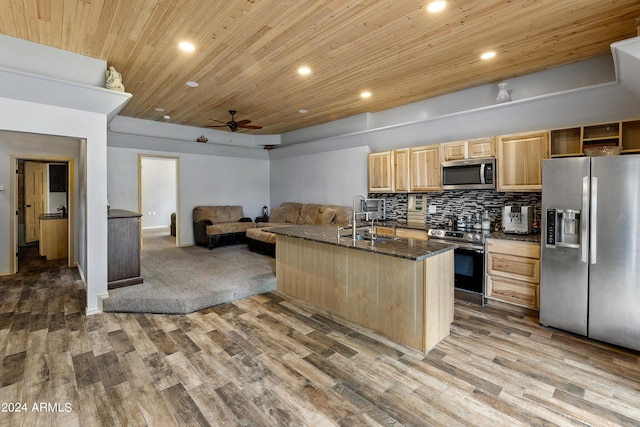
point(204, 179)
point(30, 117)
point(158, 191)
point(296, 169)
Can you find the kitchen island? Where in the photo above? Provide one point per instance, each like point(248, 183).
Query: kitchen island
point(400, 288)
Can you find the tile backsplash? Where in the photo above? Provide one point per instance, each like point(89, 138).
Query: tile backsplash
point(459, 203)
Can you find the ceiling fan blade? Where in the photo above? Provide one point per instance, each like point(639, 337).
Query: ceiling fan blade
point(250, 126)
point(243, 122)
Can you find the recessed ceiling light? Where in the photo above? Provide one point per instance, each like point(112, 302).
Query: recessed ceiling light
point(304, 70)
point(186, 46)
point(488, 55)
point(166, 117)
point(303, 111)
point(365, 94)
point(193, 84)
point(436, 6)
point(160, 109)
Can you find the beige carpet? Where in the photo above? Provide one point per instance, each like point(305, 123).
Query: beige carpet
point(183, 280)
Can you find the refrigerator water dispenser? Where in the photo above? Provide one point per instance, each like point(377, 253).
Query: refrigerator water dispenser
point(563, 228)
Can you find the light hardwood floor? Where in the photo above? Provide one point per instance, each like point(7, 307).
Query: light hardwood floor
point(272, 361)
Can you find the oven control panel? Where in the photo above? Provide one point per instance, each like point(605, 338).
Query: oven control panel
point(456, 235)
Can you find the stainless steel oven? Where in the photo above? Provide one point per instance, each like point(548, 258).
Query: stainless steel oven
point(468, 261)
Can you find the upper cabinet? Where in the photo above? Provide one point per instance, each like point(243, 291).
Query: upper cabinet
point(401, 168)
point(381, 172)
point(472, 149)
point(573, 141)
point(425, 168)
point(520, 160)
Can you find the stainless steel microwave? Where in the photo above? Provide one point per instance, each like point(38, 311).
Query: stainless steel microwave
point(472, 174)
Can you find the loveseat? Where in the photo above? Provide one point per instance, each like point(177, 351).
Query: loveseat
point(261, 240)
point(220, 225)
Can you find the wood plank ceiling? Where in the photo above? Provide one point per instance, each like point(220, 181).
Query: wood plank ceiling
point(248, 51)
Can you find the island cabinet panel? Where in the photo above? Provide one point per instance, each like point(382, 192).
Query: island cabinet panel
point(405, 300)
point(313, 273)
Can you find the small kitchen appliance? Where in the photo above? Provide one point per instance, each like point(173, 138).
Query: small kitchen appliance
point(517, 219)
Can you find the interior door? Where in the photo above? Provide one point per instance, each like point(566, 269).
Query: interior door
point(35, 195)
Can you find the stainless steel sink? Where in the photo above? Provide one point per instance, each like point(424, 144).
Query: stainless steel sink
point(368, 236)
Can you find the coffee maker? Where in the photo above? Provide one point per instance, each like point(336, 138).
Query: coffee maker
point(517, 219)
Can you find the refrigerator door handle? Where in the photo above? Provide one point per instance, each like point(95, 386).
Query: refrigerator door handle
point(583, 223)
point(594, 218)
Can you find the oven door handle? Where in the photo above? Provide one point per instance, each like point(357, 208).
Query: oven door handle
point(471, 248)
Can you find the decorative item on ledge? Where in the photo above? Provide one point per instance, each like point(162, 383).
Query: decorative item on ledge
point(202, 139)
point(503, 93)
point(114, 80)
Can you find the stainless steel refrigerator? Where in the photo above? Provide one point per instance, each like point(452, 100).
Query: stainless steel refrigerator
point(590, 249)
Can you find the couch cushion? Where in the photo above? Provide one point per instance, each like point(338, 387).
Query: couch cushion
point(217, 214)
point(229, 227)
point(277, 215)
point(262, 234)
point(273, 224)
point(343, 214)
point(292, 211)
point(309, 214)
point(327, 214)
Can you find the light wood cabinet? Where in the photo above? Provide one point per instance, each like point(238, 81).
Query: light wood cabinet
point(425, 167)
point(403, 233)
point(53, 238)
point(454, 150)
point(572, 141)
point(381, 172)
point(513, 272)
point(520, 160)
point(401, 169)
point(482, 147)
point(472, 149)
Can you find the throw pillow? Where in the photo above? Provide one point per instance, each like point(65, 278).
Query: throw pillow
point(327, 216)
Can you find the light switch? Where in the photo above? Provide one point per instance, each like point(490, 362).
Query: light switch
point(432, 209)
point(1, 187)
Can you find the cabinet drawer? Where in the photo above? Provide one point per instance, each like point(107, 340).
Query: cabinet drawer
point(519, 268)
point(513, 291)
point(510, 247)
point(403, 233)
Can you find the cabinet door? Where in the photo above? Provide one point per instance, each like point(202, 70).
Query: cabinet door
point(520, 161)
point(425, 168)
point(482, 147)
point(454, 150)
point(381, 172)
point(401, 179)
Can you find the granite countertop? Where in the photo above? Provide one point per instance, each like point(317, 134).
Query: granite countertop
point(530, 238)
point(412, 249)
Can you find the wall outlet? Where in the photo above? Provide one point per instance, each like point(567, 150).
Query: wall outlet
point(432, 209)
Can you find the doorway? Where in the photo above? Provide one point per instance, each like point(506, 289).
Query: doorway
point(158, 197)
point(42, 188)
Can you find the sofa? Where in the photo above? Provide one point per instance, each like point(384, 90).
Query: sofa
point(262, 241)
point(220, 225)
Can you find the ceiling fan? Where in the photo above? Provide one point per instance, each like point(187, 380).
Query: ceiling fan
point(233, 125)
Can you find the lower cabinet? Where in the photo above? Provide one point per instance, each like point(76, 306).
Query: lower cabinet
point(123, 259)
point(513, 272)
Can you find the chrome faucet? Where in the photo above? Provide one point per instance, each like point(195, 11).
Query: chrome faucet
point(374, 234)
point(353, 225)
